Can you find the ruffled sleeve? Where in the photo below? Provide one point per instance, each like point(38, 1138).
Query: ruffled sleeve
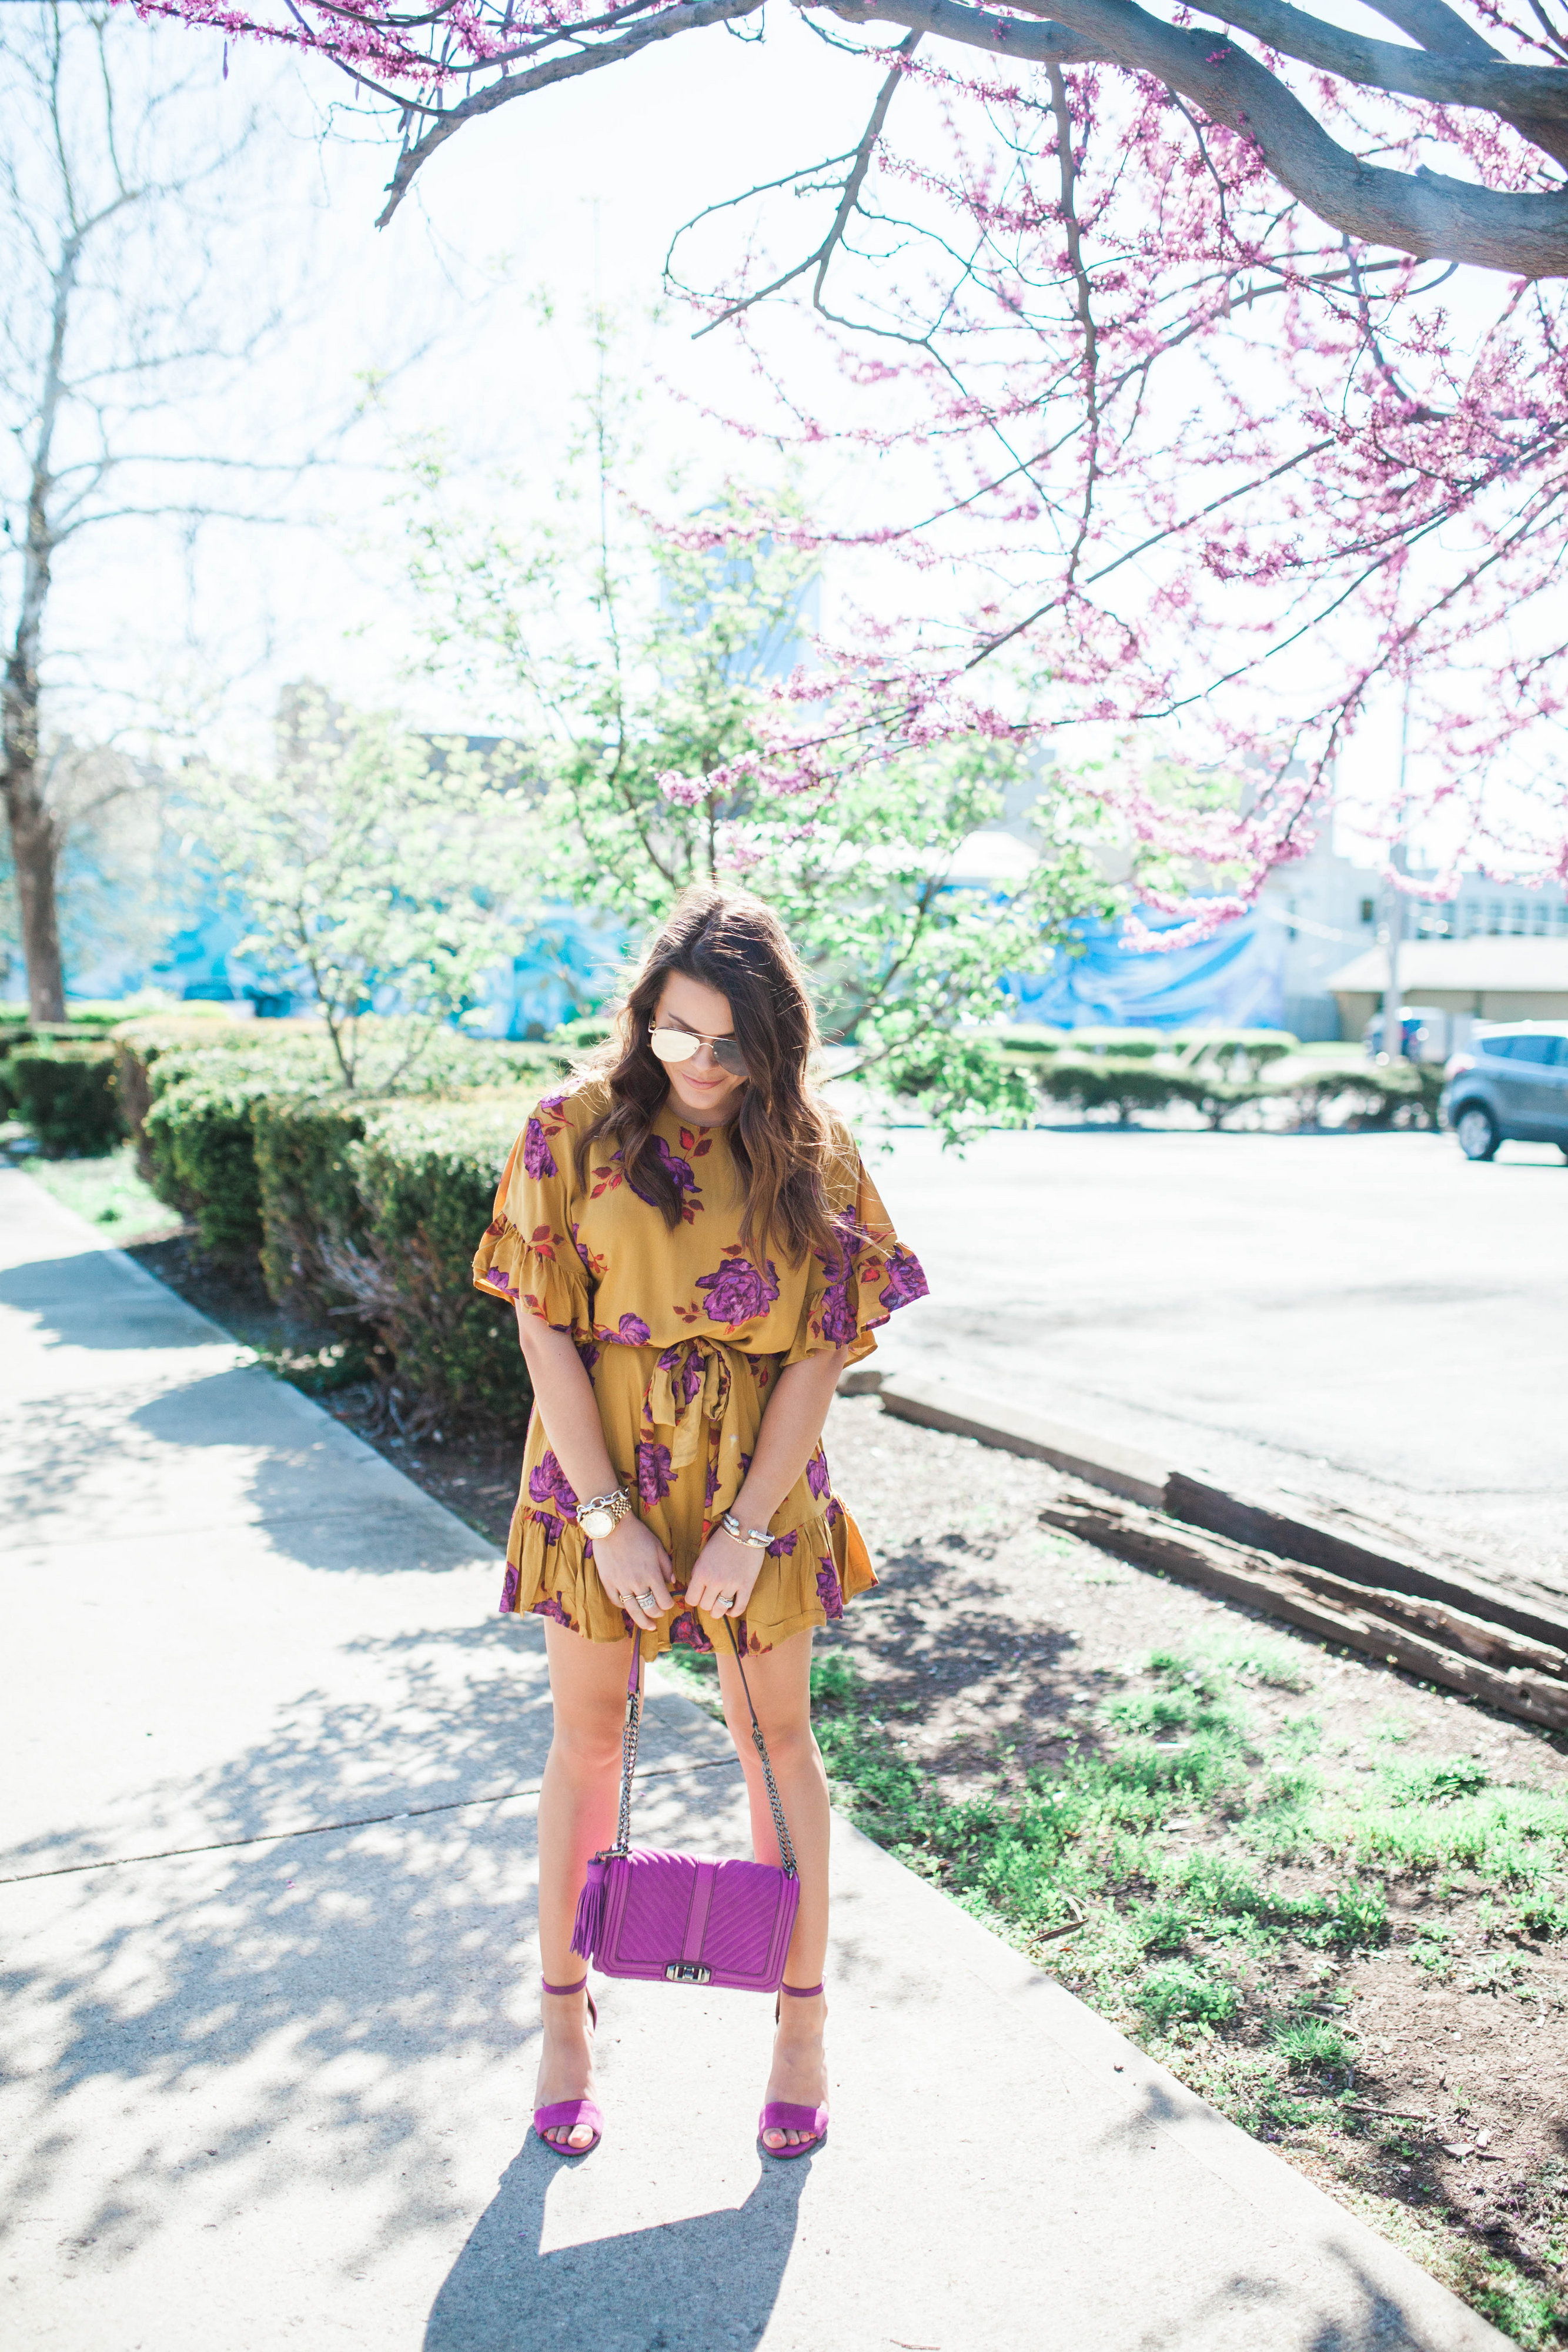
point(529, 1254)
point(874, 1274)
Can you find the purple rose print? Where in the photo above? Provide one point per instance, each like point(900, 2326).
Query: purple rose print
point(828, 1592)
point(550, 1526)
point(738, 1293)
point(834, 1512)
point(691, 1373)
point(653, 1472)
point(905, 1279)
point(589, 1355)
point(498, 1279)
point(536, 1159)
point(550, 1607)
point(782, 1546)
point(679, 1172)
point(509, 1592)
point(837, 1318)
point(686, 1633)
point(817, 1476)
point(578, 1247)
point(632, 1332)
point(548, 1483)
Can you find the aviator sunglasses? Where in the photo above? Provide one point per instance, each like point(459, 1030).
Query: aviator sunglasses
point(680, 1044)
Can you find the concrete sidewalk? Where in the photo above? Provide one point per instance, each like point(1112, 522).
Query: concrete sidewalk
point(266, 1839)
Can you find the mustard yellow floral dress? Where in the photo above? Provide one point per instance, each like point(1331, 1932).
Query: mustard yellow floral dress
point(683, 1334)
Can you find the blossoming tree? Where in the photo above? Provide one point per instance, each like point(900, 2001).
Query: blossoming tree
point(1201, 427)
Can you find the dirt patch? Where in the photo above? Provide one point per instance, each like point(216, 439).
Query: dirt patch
point(1430, 2087)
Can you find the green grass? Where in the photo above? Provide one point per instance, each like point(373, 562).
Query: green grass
point(108, 1194)
point(1220, 1876)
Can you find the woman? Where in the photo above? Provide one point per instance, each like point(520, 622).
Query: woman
point(694, 1253)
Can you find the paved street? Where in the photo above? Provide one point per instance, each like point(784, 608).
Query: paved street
point(269, 1764)
point(1366, 1322)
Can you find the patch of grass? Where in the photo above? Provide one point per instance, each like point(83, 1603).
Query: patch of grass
point(1520, 2306)
point(1308, 2044)
point(1177, 1990)
point(1183, 1940)
point(108, 1194)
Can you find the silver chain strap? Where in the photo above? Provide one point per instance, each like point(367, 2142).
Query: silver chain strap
point(629, 1757)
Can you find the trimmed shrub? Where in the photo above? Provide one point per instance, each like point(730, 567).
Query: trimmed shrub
point(426, 1176)
point(1126, 1044)
point(141, 1046)
point(1364, 1094)
point(66, 1094)
point(1089, 1082)
point(201, 1149)
point(196, 1084)
point(308, 1197)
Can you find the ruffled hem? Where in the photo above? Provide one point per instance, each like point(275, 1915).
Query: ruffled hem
point(507, 1265)
point(877, 1276)
point(810, 1573)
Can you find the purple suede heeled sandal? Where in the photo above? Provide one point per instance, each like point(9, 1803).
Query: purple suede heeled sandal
point(567, 2114)
point(784, 2115)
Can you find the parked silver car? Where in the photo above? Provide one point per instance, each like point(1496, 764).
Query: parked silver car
point(1510, 1083)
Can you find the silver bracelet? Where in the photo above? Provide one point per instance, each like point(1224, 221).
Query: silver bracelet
point(755, 1539)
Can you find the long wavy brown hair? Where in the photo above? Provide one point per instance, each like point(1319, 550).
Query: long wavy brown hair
point(780, 1134)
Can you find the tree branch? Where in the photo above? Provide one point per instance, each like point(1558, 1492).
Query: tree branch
point(687, 16)
point(1423, 213)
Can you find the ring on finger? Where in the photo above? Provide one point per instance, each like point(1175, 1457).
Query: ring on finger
point(648, 1604)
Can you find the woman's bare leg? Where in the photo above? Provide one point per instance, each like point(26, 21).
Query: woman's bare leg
point(780, 1685)
point(577, 1817)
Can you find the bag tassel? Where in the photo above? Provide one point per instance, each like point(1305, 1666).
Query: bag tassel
point(590, 1910)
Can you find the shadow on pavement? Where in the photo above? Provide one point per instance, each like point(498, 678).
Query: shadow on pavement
point(64, 1297)
point(697, 2286)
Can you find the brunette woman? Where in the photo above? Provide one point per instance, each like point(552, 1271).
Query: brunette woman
point(694, 1253)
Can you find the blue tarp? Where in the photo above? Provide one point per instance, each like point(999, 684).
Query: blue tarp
point(1234, 980)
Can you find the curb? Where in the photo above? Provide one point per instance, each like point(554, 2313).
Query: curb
point(1144, 1479)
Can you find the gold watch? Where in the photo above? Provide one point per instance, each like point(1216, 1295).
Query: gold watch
point(602, 1513)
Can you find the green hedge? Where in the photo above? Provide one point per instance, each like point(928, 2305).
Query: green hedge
point(426, 1178)
point(1125, 1083)
point(308, 1198)
point(147, 1057)
point(200, 1146)
point(190, 1087)
point(64, 1092)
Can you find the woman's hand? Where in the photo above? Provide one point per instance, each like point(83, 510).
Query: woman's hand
point(724, 1576)
point(634, 1569)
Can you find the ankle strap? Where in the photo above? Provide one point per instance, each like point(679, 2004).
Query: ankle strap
point(801, 1992)
point(576, 1988)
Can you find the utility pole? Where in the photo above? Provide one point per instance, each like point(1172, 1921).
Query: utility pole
point(1391, 1028)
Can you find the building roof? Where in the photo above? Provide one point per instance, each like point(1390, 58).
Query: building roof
point(1493, 965)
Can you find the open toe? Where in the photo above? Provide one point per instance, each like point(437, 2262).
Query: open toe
point(567, 2115)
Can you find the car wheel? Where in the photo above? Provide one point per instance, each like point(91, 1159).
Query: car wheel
point(1477, 1132)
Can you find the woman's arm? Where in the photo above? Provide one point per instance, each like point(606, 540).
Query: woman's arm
point(631, 1560)
point(791, 1424)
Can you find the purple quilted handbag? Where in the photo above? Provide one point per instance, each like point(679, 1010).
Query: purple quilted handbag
point(674, 1918)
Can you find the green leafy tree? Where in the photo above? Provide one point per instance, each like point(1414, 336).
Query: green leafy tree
point(639, 663)
point(378, 870)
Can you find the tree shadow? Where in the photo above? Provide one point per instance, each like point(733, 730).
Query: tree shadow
point(698, 2286)
point(63, 1297)
point(452, 1718)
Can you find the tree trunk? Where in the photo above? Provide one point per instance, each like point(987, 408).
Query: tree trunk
point(35, 849)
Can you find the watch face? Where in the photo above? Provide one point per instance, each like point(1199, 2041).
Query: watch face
point(596, 1523)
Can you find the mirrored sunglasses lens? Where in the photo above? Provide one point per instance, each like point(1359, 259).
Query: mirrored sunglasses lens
point(674, 1045)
